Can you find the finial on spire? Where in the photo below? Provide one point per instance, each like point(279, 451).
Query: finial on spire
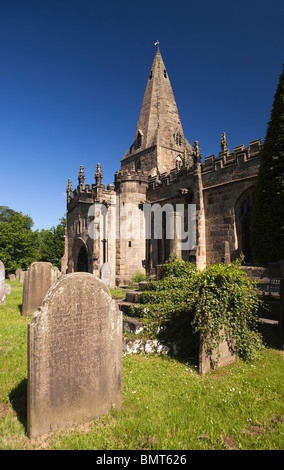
point(81, 176)
point(224, 143)
point(98, 174)
point(157, 44)
point(196, 152)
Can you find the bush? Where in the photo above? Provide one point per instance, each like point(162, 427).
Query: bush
point(139, 276)
point(225, 305)
point(218, 302)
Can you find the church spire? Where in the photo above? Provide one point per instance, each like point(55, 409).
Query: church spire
point(159, 122)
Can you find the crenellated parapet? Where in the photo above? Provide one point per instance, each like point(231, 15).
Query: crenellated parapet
point(240, 155)
point(130, 175)
point(226, 166)
point(87, 192)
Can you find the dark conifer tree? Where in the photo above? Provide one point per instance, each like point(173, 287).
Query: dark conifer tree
point(267, 224)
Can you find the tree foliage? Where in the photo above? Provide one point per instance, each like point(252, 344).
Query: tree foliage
point(20, 246)
point(51, 244)
point(267, 226)
point(18, 243)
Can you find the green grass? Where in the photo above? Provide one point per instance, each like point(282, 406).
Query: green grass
point(118, 293)
point(167, 404)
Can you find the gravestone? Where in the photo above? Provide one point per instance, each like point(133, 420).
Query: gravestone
point(38, 279)
point(22, 276)
point(7, 289)
point(74, 355)
point(2, 284)
point(12, 277)
point(211, 361)
point(105, 274)
point(17, 273)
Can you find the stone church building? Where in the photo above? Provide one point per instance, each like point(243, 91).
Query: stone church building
point(161, 169)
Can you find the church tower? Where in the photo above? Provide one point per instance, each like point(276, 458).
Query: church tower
point(159, 143)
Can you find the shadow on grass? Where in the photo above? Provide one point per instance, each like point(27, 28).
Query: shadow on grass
point(18, 400)
point(271, 335)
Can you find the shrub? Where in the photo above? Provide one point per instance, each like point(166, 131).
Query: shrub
point(225, 305)
point(139, 276)
point(219, 302)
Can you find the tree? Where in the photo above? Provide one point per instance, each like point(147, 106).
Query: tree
point(18, 243)
point(20, 246)
point(52, 242)
point(267, 225)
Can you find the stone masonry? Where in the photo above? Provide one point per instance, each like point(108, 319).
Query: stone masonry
point(161, 167)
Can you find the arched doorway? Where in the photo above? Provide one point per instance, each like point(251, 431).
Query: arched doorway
point(82, 261)
point(243, 212)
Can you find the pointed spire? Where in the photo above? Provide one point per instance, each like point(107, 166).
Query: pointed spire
point(98, 174)
point(159, 121)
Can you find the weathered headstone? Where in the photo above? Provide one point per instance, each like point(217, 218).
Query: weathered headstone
point(12, 277)
point(105, 274)
point(7, 289)
point(38, 279)
point(22, 276)
point(74, 355)
point(211, 361)
point(17, 273)
point(2, 284)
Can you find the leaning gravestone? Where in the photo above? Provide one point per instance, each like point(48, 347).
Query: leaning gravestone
point(74, 355)
point(38, 279)
point(2, 284)
point(105, 274)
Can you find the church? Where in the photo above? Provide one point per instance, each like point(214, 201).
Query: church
point(166, 198)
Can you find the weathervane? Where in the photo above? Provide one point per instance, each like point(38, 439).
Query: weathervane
point(157, 44)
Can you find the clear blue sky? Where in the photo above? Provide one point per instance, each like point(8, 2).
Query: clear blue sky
point(73, 75)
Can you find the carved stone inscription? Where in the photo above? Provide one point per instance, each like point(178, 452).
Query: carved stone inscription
point(74, 355)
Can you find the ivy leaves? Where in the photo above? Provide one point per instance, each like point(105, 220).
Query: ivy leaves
point(219, 303)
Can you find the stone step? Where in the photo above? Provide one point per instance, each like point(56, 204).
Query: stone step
point(125, 307)
point(132, 296)
point(132, 325)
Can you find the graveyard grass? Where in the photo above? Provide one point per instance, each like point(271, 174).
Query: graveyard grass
point(167, 404)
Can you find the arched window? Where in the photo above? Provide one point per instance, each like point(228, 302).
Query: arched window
point(139, 140)
point(178, 138)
